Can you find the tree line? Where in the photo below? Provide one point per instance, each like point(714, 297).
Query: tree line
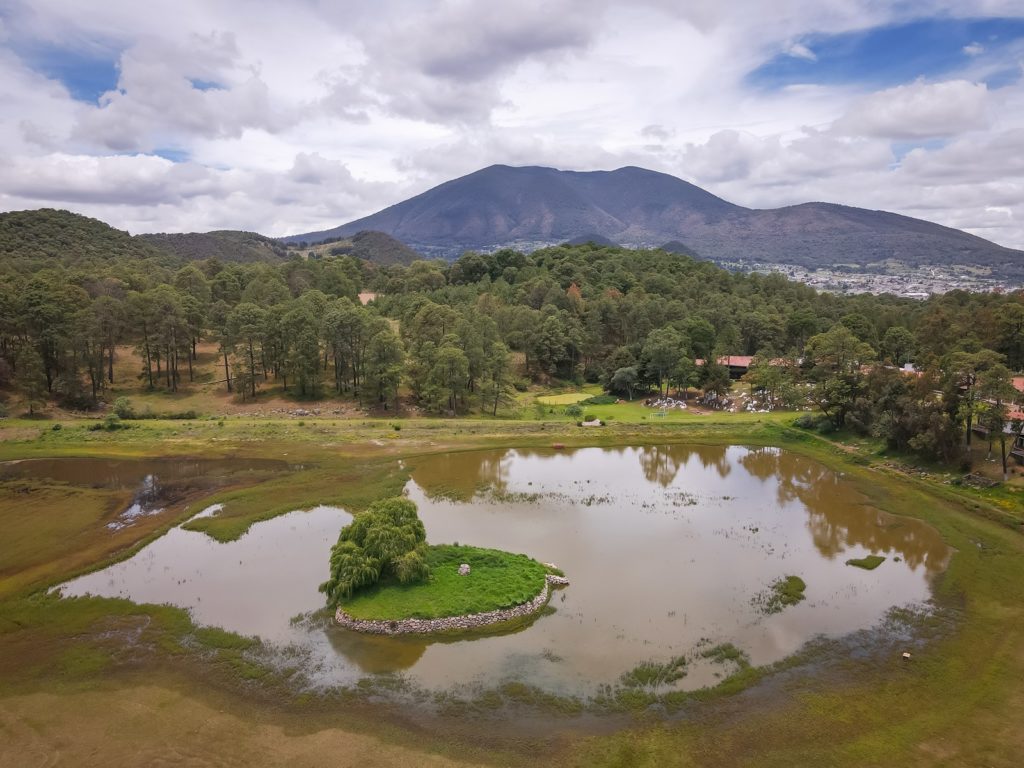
point(461, 336)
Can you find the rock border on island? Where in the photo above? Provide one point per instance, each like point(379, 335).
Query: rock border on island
point(451, 623)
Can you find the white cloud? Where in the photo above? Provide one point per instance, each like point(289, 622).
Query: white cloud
point(801, 51)
point(974, 49)
point(919, 110)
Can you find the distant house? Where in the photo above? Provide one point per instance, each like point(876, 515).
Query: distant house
point(738, 365)
point(366, 297)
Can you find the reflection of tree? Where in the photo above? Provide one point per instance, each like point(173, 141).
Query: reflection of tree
point(714, 456)
point(376, 654)
point(839, 517)
point(381, 654)
point(661, 463)
point(461, 474)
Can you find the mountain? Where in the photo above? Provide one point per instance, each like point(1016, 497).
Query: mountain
point(32, 239)
point(531, 206)
point(225, 245)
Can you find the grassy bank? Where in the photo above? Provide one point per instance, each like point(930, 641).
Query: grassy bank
point(496, 580)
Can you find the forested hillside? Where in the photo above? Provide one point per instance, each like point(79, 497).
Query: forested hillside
point(32, 240)
point(226, 245)
point(439, 335)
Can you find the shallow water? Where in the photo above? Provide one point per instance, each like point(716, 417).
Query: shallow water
point(155, 483)
point(669, 549)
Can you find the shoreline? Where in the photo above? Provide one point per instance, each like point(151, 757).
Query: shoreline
point(451, 623)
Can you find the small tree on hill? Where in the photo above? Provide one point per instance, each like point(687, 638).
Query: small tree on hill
point(624, 380)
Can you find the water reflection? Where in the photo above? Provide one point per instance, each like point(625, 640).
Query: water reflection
point(838, 522)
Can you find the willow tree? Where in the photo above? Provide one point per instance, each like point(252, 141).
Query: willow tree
point(387, 540)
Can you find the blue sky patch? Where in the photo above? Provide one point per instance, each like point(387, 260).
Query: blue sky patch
point(206, 85)
point(86, 74)
point(174, 155)
point(886, 56)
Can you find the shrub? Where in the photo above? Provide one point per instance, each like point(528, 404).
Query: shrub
point(573, 410)
point(123, 408)
point(589, 417)
point(600, 400)
point(111, 423)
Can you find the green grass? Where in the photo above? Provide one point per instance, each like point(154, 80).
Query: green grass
point(790, 590)
point(496, 580)
point(868, 563)
point(352, 486)
point(566, 399)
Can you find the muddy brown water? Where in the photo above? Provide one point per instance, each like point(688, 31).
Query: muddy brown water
point(670, 550)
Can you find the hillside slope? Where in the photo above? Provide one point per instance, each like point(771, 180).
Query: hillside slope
point(225, 245)
point(31, 239)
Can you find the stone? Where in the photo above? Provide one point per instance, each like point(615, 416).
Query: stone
point(451, 623)
point(464, 569)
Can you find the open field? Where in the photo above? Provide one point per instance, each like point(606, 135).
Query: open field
point(82, 677)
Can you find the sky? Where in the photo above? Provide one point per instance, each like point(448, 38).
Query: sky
point(283, 118)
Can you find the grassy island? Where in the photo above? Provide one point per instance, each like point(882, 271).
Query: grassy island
point(496, 580)
point(382, 569)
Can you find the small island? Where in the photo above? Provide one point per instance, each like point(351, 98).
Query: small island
point(386, 579)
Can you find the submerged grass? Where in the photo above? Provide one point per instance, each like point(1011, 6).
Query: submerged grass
point(496, 580)
point(868, 563)
point(654, 674)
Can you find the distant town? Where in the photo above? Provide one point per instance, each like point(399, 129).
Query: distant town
point(909, 282)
